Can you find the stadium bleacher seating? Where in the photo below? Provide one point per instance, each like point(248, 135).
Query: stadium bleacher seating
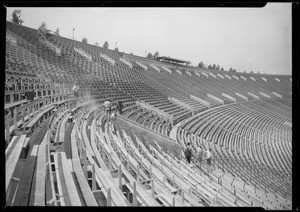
point(60, 151)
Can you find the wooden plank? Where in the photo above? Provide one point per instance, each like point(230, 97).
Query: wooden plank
point(11, 146)
point(39, 197)
point(60, 134)
point(12, 161)
point(23, 190)
point(63, 196)
point(69, 181)
point(67, 140)
point(33, 121)
point(22, 195)
point(86, 192)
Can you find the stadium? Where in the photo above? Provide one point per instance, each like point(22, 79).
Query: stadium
point(64, 150)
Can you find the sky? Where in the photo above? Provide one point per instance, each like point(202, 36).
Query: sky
point(246, 39)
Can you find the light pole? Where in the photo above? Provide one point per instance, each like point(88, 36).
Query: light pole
point(73, 34)
point(145, 53)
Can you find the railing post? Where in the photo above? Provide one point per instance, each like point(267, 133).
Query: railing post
point(108, 203)
point(152, 188)
point(138, 173)
point(93, 178)
point(110, 161)
point(84, 163)
point(120, 177)
point(23, 116)
point(134, 194)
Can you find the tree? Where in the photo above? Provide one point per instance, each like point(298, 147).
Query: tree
point(222, 69)
point(214, 66)
point(209, 66)
point(150, 55)
point(201, 64)
point(43, 27)
point(16, 17)
point(105, 45)
point(57, 32)
point(96, 44)
point(84, 40)
point(117, 49)
point(156, 54)
point(217, 67)
point(131, 53)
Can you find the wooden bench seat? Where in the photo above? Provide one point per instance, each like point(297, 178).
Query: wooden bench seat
point(142, 195)
point(15, 140)
point(31, 124)
point(22, 197)
point(86, 192)
point(12, 159)
point(60, 135)
point(40, 179)
point(69, 189)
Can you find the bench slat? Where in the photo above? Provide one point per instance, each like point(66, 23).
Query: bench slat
point(12, 160)
point(39, 197)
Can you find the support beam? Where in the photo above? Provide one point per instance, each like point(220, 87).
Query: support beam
point(243, 78)
point(201, 101)
point(211, 74)
point(83, 53)
point(197, 74)
point(159, 112)
point(265, 95)
point(253, 79)
point(166, 69)
point(180, 103)
point(229, 97)
point(179, 72)
point(253, 95)
point(204, 74)
point(154, 67)
point(107, 58)
point(189, 73)
point(215, 98)
point(142, 65)
point(276, 94)
point(227, 76)
point(264, 79)
point(242, 96)
point(51, 46)
point(235, 77)
point(219, 75)
point(126, 62)
point(278, 80)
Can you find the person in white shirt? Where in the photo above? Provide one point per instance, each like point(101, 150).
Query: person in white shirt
point(76, 90)
point(107, 107)
point(208, 158)
point(199, 155)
